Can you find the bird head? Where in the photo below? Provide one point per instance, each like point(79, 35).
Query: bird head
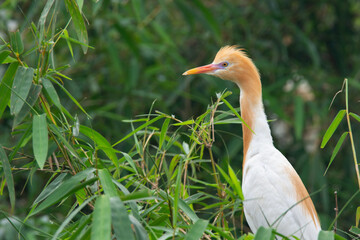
point(230, 63)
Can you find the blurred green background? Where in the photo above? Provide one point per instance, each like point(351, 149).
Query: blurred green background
point(303, 50)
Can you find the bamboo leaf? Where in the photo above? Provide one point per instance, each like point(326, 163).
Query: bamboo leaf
point(72, 98)
point(101, 143)
point(336, 149)
point(164, 129)
point(50, 188)
point(20, 89)
point(236, 182)
point(79, 23)
point(8, 176)
point(355, 116)
point(333, 126)
point(67, 188)
point(3, 56)
point(42, 19)
point(16, 42)
point(355, 230)
point(29, 103)
point(101, 225)
point(326, 235)
point(264, 234)
point(107, 184)
point(5, 86)
point(197, 230)
point(69, 147)
point(138, 129)
point(71, 216)
point(49, 88)
point(236, 113)
point(40, 139)
point(120, 219)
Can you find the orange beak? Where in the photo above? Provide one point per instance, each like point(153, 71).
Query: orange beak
point(203, 69)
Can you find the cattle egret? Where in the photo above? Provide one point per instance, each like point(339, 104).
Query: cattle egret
point(274, 195)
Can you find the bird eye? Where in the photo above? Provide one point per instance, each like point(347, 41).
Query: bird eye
point(225, 64)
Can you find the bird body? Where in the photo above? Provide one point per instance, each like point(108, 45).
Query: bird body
point(274, 195)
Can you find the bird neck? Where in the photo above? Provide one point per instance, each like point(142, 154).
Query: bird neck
point(257, 132)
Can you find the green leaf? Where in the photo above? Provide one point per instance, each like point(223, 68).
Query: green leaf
point(326, 235)
point(50, 188)
point(264, 234)
point(5, 86)
point(30, 101)
point(42, 19)
point(164, 129)
point(236, 182)
point(236, 113)
point(107, 184)
point(66, 34)
point(187, 210)
point(3, 56)
point(101, 143)
point(20, 89)
point(79, 23)
point(357, 117)
point(138, 129)
point(197, 230)
point(49, 88)
point(333, 126)
point(67, 188)
point(8, 176)
point(357, 218)
point(40, 139)
point(71, 216)
point(72, 98)
point(69, 147)
point(101, 225)
point(16, 42)
point(355, 230)
point(336, 149)
point(120, 219)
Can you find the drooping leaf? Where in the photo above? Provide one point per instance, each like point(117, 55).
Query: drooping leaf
point(78, 21)
point(107, 184)
point(3, 56)
point(8, 176)
point(101, 143)
point(333, 126)
point(264, 234)
point(5, 86)
point(49, 88)
point(164, 129)
point(50, 188)
point(197, 230)
point(336, 149)
point(101, 225)
point(236, 182)
point(355, 230)
point(326, 235)
point(40, 139)
point(69, 218)
point(16, 42)
point(355, 116)
point(43, 17)
point(20, 88)
point(68, 187)
point(30, 101)
point(120, 219)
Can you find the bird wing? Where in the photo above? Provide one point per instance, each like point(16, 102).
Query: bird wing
point(271, 197)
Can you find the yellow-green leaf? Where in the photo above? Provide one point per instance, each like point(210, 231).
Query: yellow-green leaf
point(40, 139)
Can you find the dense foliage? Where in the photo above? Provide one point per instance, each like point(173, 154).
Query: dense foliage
point(102, 137)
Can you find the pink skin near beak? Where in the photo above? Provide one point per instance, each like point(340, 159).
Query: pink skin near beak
point(203, 69)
